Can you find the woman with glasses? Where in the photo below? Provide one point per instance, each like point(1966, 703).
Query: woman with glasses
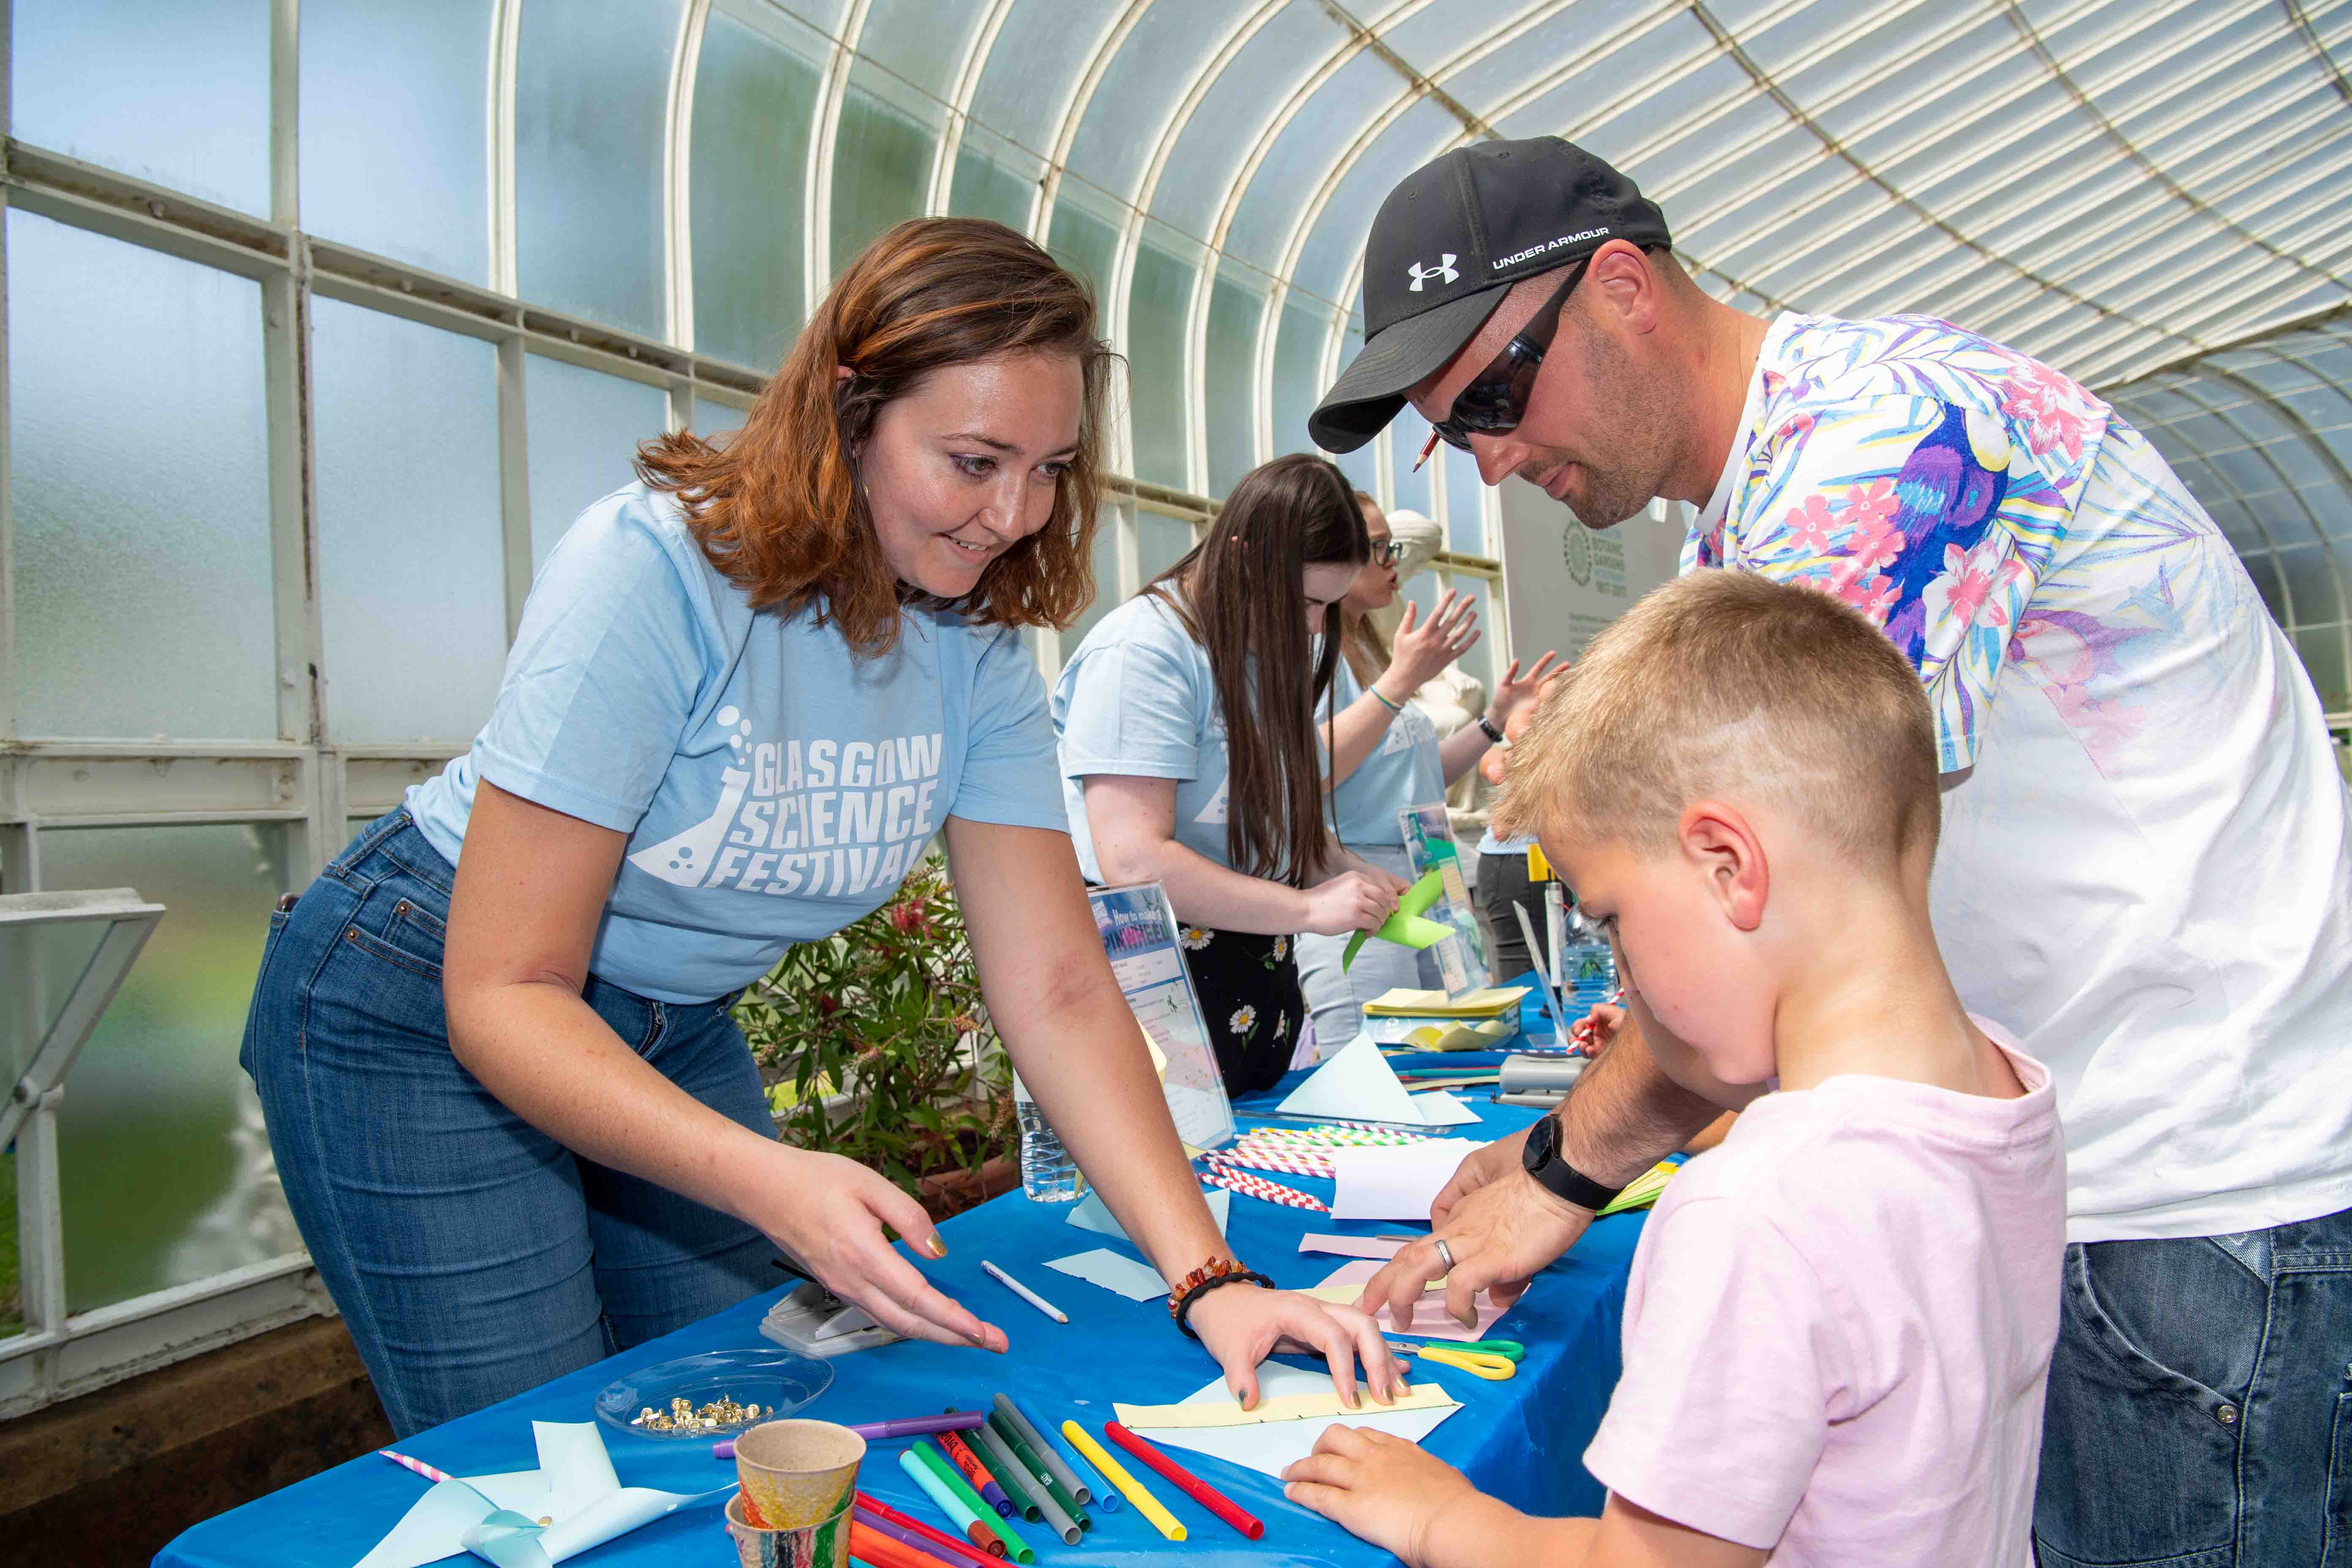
point(1386, 756)
point(1187, 722)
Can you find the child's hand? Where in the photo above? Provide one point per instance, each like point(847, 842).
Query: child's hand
point(1382, 1487)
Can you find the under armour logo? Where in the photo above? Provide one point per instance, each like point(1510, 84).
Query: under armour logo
point(1444, 272)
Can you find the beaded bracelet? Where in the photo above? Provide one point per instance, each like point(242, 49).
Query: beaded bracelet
point(1200, 1281)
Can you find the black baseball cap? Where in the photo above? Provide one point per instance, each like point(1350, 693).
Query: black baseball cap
point(1446, 245)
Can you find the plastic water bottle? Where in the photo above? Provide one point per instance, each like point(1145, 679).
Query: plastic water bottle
point(1048, 1174)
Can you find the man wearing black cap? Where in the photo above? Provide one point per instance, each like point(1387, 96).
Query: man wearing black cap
point(2145, 861)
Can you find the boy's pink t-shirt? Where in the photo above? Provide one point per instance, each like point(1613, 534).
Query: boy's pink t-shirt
point(1839, 1325)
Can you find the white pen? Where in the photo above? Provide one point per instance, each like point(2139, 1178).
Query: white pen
point(1026, 1294)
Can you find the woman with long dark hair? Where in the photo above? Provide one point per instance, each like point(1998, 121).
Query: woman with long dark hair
point(1190, 755)
point(514, 1119)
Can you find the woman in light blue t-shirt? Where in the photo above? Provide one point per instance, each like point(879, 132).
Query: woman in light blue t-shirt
point(514, 1120)
point(1189, 754)
point(1387, 757)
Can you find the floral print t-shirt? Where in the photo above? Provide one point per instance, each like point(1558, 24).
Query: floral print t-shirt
point(2145, 868)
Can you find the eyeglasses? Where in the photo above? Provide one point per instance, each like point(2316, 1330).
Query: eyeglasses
point(1383, 552)
point(1495, 399)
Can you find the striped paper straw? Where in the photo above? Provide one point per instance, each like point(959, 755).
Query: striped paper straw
point(1338, 1137)
point(1299, 1163)
point(1241, 1181)
point(419, 1466)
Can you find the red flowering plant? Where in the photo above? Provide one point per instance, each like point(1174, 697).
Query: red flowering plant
point(875, 1043)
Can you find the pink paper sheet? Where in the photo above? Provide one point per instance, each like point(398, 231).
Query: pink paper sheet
point(1430, 1318)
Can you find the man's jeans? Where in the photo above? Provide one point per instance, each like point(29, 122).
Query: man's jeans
point(2200, 1403)
point(472, 1256)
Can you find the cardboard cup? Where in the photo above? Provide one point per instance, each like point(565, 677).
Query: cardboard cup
point(799, 1473)
point(822, 1545)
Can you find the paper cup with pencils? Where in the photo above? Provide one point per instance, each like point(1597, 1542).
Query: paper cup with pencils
point(800, 1481)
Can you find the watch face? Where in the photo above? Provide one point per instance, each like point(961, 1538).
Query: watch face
point(1543, 1140)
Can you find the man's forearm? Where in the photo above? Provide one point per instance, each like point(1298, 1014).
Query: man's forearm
point(1625, 1115)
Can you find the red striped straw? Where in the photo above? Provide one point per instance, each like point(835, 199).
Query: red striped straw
point(1241, 1181)
point(1299, 1163)
point(419, 1466)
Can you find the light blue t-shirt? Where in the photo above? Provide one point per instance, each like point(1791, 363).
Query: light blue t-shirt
point(1490, 845)
point(1139, 698)
point(774, 786)
point(1403, 770)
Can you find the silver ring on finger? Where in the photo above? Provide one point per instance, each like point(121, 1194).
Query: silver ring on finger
point(1445, 1253)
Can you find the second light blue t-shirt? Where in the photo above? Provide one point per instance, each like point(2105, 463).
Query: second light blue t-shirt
point(1403, 770)
point(775, 785)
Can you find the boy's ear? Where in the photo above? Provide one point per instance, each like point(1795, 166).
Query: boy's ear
point(1717, 840)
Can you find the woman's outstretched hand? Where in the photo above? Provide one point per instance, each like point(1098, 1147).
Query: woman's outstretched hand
point(1421, 649)
point(828, 1213)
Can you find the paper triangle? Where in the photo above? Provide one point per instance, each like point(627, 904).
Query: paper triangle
point(1356, 1085)
point(1092, 1214)
point(1268, 1449)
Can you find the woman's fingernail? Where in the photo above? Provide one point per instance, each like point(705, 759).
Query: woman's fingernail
point(939, 1248)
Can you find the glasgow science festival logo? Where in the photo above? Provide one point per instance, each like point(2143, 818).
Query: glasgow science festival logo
point(1576, 552)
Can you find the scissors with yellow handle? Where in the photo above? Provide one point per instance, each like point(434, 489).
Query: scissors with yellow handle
point(1472, 1358)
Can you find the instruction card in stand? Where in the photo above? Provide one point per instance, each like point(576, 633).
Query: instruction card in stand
point(1429, 846)
point(1142, 940)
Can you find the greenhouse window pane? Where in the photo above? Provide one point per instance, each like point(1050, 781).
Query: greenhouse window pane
point(591, 87)
point(755, 93)
point(2311, 585)
point(1084, 242)
point(164, 1167)
point(12, 1284)
point(1465, 500)
point(411, 586)
point(881, 163)
point(1233, 312)
point(1160, 543)
point(1107, 592)
point(581, 430)
point(140, 481)
point(921, 40)
point(717, 418)
point(992, 180)
point(2322, 648)
point(1159, 299)
point(393, 129)
point(175, 93)
point(1406, 435)
point(1298, 370)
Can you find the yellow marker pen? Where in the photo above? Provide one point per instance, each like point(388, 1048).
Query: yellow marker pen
point(1116, 1474)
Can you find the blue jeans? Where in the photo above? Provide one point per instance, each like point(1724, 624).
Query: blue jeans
point(472, 1256)
point(2200, 1403)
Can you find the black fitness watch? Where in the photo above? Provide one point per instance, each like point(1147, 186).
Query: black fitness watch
point(1493, 734)
point(1540, 1156)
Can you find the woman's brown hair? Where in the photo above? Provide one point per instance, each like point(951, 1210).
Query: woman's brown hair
point(1366, 651)
point(1240, 595)
point(779, 510)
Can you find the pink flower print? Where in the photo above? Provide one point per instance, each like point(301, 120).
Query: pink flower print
point(1811, 527)
point(2047, 404)
point(1971, 591)
point(1871, 593)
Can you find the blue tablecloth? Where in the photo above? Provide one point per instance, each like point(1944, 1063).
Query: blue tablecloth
point(1522, 1441)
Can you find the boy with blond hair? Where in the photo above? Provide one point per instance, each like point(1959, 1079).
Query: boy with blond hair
point(1839, 1323)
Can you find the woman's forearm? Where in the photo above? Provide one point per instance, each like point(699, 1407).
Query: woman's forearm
point(550, 1058)
point(1204, 893)
point(1356, 731)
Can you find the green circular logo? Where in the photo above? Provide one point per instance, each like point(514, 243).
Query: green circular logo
point(1576, 552)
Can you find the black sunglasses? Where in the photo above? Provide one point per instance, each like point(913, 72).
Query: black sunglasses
point(1495, 399)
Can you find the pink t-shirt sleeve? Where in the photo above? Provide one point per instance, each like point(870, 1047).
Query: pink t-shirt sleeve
point(1732, 1362)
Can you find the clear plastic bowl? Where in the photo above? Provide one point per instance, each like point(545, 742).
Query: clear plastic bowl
point(779, 1381)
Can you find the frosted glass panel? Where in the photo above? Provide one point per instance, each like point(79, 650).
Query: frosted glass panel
point(717, 418)
point(1233, 312)
point(592, 82)
point(12, 1291)
point(1085, 244)
point(1480, 660)
point(175, 93)
point(1406, 435)
point(1161, 294)
point(881, 165)
point(1298, 370)
point(993, 179)
point(1160, 544)
point(139, 444)
point(412, 582)
point(1465, 530)
point(753, 95)
point(921, 40)
point(583, 429)
point(1107, 592)
point(164, 1167)
point(393, 115)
